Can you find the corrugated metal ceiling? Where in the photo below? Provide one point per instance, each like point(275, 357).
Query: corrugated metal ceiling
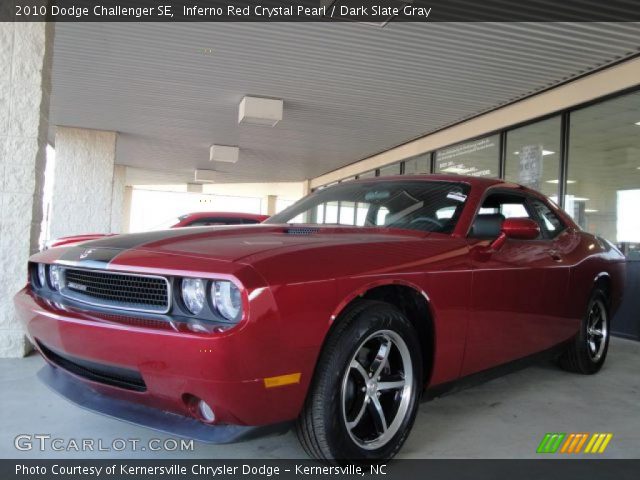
point(350, 90)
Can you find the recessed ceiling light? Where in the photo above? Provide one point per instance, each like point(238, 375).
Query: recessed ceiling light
point(570, 182)
point(590, 210)
point(580, 199)
point(638, 123)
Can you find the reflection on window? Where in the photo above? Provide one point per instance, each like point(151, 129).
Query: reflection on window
point(420, 165)
point(381, 217)
point(432, 206)
point(533, 156)
point(604, 156)
point(347, 213)
point(331, 213)
point(478, 158)
point(390, 170)
point(628, 222)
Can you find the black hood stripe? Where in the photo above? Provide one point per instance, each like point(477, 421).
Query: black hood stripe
point(84, 256)
point(97, 254)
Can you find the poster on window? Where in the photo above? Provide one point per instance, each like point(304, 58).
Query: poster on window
point(530, 173)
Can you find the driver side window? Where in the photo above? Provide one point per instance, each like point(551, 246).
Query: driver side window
point(494, 210)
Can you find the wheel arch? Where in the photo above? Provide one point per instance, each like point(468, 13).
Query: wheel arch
point(603, 281)
point(412, 301)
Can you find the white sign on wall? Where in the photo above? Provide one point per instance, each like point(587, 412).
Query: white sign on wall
point(531, 166)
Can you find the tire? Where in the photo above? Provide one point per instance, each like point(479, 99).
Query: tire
point(341, 417)
point(588, 350)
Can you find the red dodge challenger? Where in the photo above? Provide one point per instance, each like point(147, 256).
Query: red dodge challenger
point(333, 316)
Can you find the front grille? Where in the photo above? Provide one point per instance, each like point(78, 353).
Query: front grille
point(143, 293)
point(96, 372)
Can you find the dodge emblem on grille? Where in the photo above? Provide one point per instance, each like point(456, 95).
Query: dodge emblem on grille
point(77, 286)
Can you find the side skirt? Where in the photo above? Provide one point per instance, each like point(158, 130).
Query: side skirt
point(484, 376)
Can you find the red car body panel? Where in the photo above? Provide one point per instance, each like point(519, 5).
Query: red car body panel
point(184, 221)
point(486, 309)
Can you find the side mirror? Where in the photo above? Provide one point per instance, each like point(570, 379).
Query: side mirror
point(516, 228)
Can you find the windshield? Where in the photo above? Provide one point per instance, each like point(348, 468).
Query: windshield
point(431, 206)
point(168, 223)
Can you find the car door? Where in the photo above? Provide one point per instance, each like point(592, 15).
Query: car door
point(511, 286)
point(550, 323)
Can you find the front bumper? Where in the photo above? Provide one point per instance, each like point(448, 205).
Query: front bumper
point(227, 369)
point(83, 396)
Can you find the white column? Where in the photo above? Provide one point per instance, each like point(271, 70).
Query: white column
point(84, 182)
point(269, 205)
point(25, 85)
point(118, 199)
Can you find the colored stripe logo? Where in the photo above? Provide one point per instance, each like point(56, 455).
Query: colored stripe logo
point(574, 443)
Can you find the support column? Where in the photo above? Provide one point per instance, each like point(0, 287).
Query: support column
point(25, 85)
point(118, 198)
point(270, 203)
point(126, 209)
point(85, 179)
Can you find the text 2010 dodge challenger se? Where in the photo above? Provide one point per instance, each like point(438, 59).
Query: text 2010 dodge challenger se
point(334, 315)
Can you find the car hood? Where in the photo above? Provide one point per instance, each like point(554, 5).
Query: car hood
point(232, 243)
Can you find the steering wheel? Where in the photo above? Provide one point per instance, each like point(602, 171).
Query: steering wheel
point(433, 221)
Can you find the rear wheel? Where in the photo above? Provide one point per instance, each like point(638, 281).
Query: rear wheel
point(364, 397)
point(588, 350)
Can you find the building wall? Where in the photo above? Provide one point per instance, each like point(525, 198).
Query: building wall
point(25, 85)
point(84, 182)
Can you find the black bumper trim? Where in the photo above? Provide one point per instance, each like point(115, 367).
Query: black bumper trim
point(76, 391)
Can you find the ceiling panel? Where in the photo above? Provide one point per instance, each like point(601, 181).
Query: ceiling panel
point(349, 90)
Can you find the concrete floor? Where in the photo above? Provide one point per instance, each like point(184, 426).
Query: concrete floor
point(504, 418)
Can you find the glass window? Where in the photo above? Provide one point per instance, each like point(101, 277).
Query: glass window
point(369, 174)
point(533, 156)
point(603, 195)
point(405, 204)
point(494, 210)
point(479, 158)
point(393, 169)
point(419, 165)
point(551, 224)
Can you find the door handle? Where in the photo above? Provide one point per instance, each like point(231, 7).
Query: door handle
point(555, 255)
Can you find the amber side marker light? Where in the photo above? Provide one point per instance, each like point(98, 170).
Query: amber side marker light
point(282, 380)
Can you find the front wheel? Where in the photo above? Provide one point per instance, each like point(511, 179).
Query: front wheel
point(588, 350)
point(364, 397)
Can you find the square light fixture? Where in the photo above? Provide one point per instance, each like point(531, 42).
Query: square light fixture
point(260, 111)
point(638, 123)
point(205, 176)
point(223, 153)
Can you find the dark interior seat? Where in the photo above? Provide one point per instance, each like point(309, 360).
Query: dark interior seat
point(487, 225)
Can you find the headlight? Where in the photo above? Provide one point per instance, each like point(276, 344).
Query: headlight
point(42, 275)
point(55, 277)
point(193, 294)
point(227, 300)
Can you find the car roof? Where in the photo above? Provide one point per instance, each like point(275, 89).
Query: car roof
point(483, 182)
point(223, 214)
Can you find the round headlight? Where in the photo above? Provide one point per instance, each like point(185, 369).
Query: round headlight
point(193, 294)
point(42, 274)
point(55, 277)
point(227, 300)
